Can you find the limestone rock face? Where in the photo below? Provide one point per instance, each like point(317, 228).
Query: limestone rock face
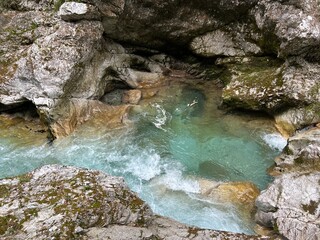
point(71, 61)
point(297, 118)
point(73, 11)
point(291, 205)
point(256, 83)
point(227, 42)
point(302, 151)
point(289, 91)
point(72, 203)
point(290, 28)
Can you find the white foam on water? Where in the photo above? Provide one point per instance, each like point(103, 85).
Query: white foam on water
point(161, 118)
point(145, 167)
point(174, 180)
point(275, 141)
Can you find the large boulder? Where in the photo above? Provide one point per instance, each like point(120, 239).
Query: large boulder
point(60, 202)
point(291, 205)
point(252, 83)
point(233, 40)
point(69, 60)
point(289, 90)
point(290, 28)
point(301, 152)
point(73, 11)
point(169, 24)
point(288, 121)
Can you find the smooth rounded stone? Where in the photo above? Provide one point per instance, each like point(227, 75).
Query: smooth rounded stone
point(66, 202)
point(302, 151)
point(142, 80)
point(78, 111)
point(291, 205)
point(75, 11)
point(131, 97)
point(239, 193)
point(113, 98)
point(149, 93)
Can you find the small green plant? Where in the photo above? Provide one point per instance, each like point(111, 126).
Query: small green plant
point(58, 4)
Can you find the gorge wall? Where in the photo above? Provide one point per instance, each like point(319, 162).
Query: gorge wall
point(66, 57)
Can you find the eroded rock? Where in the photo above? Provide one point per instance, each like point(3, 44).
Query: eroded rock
point(227, 42)
point(67, 202)
point(301, 152)
point(291, 205)
point(74, 11)
point(287, 122)
point(255, 83)
point(77, 111)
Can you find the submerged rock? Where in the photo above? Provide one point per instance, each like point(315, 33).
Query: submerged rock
point(242, 195)
point(291, 205)
point(239, 193)
point(72, 203)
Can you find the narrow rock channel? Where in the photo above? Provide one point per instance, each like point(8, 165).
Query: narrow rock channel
point(198, 105)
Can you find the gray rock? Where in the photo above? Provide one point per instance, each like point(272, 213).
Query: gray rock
point(58, 201)
point(73, 61)
point(72, 203)
point(291, 205)
point(288, 121)
point(271, 86)
point(227, 42)
point(74, 11)
point(253, 83)
point(289, 30)
point(302, 151)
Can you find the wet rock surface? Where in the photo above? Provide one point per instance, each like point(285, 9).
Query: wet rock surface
point(47, 60)
point(67, 202)
point(65, 58)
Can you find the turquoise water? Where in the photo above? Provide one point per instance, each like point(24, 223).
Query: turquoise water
point(171, 143)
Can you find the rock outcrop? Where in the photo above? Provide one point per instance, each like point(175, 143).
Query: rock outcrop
point(291, 205)
point(71, 62)
point(51, 57)
point(302, 152)
point(65, 59)
point(63, 202)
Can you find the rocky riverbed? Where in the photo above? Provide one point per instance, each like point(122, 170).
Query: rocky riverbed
point(71, 61)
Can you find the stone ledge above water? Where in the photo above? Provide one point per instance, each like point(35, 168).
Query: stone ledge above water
point(62, 202)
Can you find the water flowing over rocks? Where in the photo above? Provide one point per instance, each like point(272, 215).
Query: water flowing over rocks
point(69, 59)
point(66, 202)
